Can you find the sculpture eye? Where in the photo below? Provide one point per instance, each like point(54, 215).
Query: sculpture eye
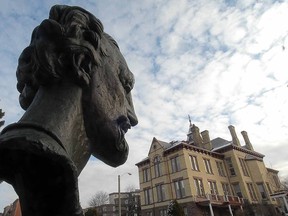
point(127, 84)
point(126, 78)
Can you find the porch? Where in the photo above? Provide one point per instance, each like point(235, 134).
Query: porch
point(219, 201)
point(282, 196)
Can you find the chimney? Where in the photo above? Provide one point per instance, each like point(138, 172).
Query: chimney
point(247, 141)
point(196, 136)
point(206, 140)
point(235, 139)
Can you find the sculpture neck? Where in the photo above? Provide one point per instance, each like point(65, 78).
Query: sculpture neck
point(58, 109)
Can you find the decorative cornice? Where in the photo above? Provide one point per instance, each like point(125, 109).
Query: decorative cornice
point(217, 153)
point(183, 145)
point(272, 170)
point(143, 162)
point(247, 151)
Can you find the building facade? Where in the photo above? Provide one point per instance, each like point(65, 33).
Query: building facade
point(13, 210)
point(207, 177)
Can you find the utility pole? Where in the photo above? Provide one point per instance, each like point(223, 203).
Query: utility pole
point(119, 193)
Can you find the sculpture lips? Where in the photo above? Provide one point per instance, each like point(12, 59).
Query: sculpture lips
point(123, 126)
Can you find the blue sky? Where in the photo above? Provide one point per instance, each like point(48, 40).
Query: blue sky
point(221, 62)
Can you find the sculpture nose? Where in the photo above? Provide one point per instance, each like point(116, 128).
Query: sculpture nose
point(132, 117)
point(133, 121)
point(130, 110)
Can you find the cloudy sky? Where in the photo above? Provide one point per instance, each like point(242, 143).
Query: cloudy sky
point(221, 62)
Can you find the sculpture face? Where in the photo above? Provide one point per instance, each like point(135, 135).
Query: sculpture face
point(110, 112)
point(71, 47)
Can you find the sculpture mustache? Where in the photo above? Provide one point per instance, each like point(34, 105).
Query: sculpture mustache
point(124, 125)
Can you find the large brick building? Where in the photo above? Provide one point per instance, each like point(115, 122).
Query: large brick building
point(207, 177)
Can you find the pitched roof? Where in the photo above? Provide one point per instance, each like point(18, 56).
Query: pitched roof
point(165, 145)
point(219, 142)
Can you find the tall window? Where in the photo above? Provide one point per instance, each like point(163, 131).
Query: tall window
point(194, 163)
point(269, 188)
point(160, 192)
point(220, 168)
point(230, 167)
point(251, 191)
point(213, 187)
point(179, 188)
point(157, 166)
point(199, 187)
point(244, 167)
point(148, 196)
point(175, 163)
point(237, 190)
point(226, 188)
point(262, 190)
point(146, 176)
point(208, 167)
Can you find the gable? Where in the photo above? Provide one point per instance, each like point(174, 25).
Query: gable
point(157, 146)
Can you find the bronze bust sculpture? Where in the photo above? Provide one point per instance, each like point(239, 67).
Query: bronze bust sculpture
point(75, 87)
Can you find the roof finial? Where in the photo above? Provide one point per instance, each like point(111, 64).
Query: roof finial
point(189, 120)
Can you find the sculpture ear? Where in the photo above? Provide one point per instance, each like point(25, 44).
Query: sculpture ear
point(26, 96)
point(81, 68)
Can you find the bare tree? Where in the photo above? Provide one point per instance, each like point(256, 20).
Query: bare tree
point(1, 116)
point(284, 182)
point(130, 188)
point(98, 199)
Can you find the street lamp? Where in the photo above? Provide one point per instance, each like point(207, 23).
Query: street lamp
point(119, 198)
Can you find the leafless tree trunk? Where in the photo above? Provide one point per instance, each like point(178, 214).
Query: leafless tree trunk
point(284, 182)
point(130, 188)
point(98, 199)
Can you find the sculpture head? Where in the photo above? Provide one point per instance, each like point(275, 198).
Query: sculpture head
point(71, 46)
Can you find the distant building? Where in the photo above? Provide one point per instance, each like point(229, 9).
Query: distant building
point(130, 204)
point(208, 177)
point(13, 210)
point(106, 210)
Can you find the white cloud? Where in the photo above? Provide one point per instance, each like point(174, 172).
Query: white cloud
point(220, 64)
